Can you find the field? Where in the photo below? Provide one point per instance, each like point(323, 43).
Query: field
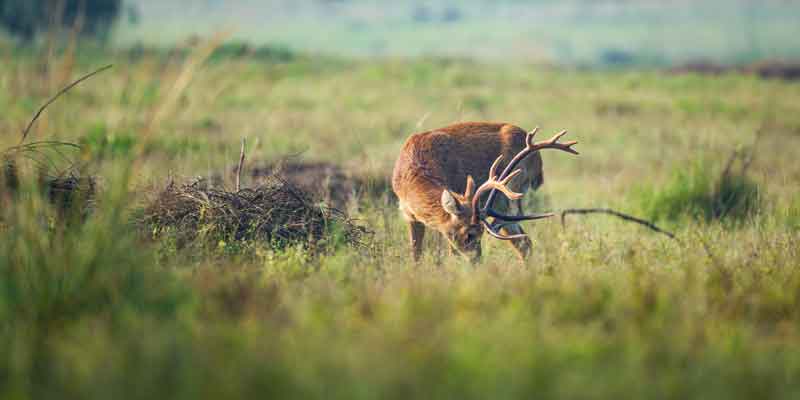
point(97, 308)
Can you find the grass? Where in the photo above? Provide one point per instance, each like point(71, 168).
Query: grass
point(601, 309)
point(701, 192)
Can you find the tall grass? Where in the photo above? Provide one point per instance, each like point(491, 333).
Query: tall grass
point(600, 310)
point(701, 191)
point(57, 278)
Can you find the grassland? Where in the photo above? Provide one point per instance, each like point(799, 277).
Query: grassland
point(601, 309)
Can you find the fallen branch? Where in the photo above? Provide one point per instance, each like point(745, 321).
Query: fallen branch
point(617, 214)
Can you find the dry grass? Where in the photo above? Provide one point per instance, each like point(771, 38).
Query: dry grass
point(275, 212)
point(63, 182)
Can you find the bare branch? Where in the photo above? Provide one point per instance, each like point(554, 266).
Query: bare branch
point(239, 168)
point(617, 214)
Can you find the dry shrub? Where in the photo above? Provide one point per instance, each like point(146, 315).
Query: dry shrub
point(275, 212)
point(67, 189)
point(70, 192)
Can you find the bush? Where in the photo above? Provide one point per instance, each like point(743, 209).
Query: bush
point(27, 18)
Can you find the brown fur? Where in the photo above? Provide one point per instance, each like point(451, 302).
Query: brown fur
point(442, 159)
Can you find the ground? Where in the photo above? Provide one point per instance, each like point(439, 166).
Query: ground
point(601, 309)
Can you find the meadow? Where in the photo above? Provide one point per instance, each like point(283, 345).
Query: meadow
point(101, 308)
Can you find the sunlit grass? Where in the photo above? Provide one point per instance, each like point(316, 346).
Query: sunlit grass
point(602, 309)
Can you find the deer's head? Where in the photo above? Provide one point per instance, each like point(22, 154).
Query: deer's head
point(462, 234)
point(468, 221)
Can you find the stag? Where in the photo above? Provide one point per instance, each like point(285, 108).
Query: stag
point(435, 167)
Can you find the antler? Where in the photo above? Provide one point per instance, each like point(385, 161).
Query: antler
point(531, 147)
point(495, 184)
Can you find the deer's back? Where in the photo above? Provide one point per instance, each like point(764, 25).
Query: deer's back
point(445, 156)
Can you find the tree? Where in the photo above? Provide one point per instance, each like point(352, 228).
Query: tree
point(28, 18)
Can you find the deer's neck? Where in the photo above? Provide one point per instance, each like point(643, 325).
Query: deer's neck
point(425, 203)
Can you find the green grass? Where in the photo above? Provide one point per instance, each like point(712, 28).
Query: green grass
point(602, 309)
point(700, 191)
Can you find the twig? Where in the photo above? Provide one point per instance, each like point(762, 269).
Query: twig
point(750, 154)
point(239, 169)
point(54, 98)
point(617, 214)
point(726, 172)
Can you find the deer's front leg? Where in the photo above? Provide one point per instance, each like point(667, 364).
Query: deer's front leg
point(522, 246)
point(416, 233)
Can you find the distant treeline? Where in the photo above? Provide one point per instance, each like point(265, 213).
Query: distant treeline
point(26, 19)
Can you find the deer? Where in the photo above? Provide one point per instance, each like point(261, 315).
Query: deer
point(434, 180)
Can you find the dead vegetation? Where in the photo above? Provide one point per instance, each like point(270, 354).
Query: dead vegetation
point(58, 177)
point(66, 187)
point(275, 212)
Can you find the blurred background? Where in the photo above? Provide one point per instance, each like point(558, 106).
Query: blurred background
point(571, 32)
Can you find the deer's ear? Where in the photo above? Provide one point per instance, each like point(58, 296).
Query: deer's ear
point(450, 203)
point(470, 187)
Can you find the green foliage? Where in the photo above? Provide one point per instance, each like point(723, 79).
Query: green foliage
point(100, 143)
point(52, 272)
point(56, 278)
point(27, 18)
point(700, 193)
